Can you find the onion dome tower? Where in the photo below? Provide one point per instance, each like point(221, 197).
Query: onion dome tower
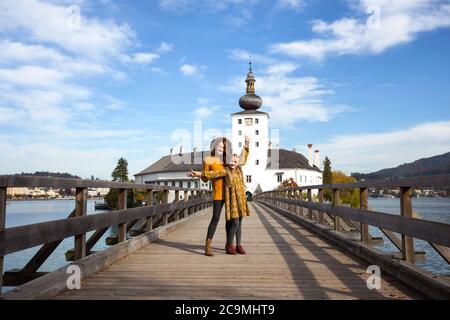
point(250, 101)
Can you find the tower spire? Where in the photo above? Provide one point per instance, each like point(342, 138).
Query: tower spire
point(250, 101)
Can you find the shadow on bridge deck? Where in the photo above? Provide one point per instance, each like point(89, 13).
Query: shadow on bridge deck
point(284, 261)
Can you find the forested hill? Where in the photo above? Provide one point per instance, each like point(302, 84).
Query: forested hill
point(423, 167)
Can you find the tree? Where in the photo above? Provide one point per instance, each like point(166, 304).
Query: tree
point(120, 173)
point(347, 196)
point(327, 178)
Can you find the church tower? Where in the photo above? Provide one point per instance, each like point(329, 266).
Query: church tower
point(254, 124)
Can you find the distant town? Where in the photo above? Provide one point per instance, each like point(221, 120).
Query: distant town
point(51, 193)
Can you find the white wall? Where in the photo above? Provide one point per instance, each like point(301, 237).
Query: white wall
point(256, 153)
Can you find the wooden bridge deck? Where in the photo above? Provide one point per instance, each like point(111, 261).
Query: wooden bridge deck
point(284, 261)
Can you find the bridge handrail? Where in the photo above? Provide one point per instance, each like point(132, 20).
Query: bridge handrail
point(51, 233)
point(392, 182)
point(409, 227)
point(32, 181)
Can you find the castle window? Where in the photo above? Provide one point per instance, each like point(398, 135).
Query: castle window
point(248, 179)
point(279, 177)
point(189, 184)
point(239, 121)
point(173, 183)
point(248, 121)
point(240, 144)
point(257, 143)
point(180, 184)
point(256, 121)
point(257, 132)
point(240, 133)
point(257, 162)
point(196, 184)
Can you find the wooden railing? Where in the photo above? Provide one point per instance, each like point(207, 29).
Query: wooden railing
point(78, 223)
point(342, 218)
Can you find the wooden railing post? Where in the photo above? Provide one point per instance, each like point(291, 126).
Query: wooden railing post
point(320, 196)
point(177, 199)
point(80, 211)
point(336, 196)
point(2, 227)
point(364, 204)
point(148, 203)
point(186, 198)
point(122, 205)
point(406, 211)
point(310, 212)
point(165, 199)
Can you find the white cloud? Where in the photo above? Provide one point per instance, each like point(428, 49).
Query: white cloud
point(244, 55)
point(368, 152)
point(165, 47)
point(290, 4)
point(141, 58)
point(192, 70)
point(188, 69)
point(377, 26)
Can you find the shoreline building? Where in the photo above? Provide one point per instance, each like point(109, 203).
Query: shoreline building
point(267, 165)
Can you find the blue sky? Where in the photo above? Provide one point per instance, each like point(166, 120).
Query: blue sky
point(83, 83)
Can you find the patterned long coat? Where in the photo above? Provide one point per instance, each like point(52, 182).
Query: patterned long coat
point(235, 198)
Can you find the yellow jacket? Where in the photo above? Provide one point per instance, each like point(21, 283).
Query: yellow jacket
point(214, 164)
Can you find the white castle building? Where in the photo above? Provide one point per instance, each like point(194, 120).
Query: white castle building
point(266, 167)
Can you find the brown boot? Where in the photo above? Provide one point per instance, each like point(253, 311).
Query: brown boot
point(208, 249)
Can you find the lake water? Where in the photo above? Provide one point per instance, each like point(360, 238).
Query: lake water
point(20, 213)
point(433, 209)
point(27, 212)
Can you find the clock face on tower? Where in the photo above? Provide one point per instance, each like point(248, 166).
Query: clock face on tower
point(248, 121)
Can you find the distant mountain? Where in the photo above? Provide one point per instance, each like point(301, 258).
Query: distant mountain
point(49, 174)
point(423, 167)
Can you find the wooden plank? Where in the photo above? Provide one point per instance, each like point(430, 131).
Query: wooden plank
point(364, 205)
point(3, 194)
point(23, 237)
point(80, 211)
point(406, 211)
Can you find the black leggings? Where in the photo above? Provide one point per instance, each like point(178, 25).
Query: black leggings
point(217, 209)
point(234, 227)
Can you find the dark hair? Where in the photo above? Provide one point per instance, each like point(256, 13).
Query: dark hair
point(227, 148)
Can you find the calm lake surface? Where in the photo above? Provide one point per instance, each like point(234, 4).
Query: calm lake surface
point(27, 212)
point(433, 209)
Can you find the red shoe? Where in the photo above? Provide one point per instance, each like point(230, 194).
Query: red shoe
point(240, 249)
point(231, 250)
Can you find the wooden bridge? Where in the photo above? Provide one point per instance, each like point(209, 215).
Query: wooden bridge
point(299, 247)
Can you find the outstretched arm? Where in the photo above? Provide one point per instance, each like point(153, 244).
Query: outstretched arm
point(245, 151)
point(208, 175)
point(214, 174)
point(205, 168)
